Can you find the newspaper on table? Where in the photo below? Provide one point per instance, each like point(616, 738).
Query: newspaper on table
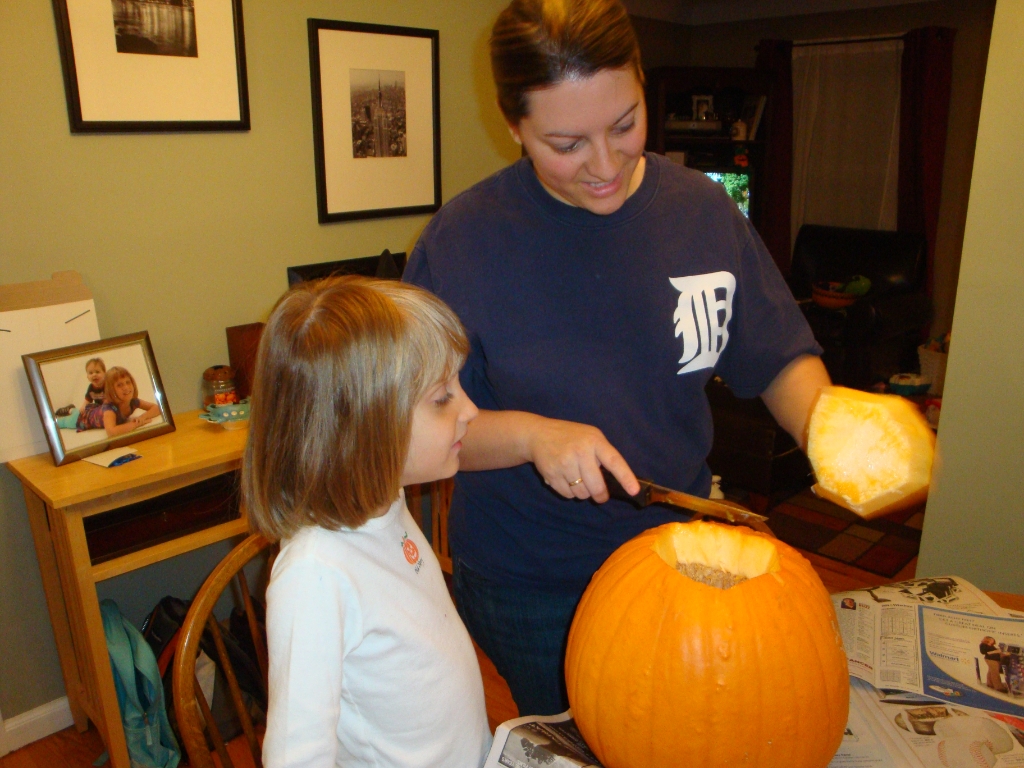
point(886, 729)
point(551, 741)
point(894, 729)
point(940, 637)
point(937, 681)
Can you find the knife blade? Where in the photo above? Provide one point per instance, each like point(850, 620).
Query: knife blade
point(650, 493)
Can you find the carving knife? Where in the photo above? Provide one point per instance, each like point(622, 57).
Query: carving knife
point(655, 494)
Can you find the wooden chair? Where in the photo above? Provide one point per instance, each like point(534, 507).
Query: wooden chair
point(439, 496)
point(195, 721)
point(440, 501)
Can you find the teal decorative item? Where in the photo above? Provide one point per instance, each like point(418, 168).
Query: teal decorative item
point(908, 384)
point(230, 416)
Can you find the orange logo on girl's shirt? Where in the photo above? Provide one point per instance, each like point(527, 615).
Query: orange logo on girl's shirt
point(411, 552)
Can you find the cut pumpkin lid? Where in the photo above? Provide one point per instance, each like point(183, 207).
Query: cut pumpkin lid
point(871, 453)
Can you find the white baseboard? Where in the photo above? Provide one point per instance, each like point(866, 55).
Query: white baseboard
point(35, 724)
point(4, 749)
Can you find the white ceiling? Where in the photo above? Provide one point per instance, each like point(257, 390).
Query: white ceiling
point(697, 12)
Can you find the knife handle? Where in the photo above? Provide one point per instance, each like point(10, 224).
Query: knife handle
point(616, 491)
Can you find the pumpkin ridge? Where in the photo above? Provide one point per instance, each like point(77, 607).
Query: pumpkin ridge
point(786, 678)
point(651, 689)
point(656, 584)
point(753, 698)
point(813, 617)
point(602, 634)
point(811, 657)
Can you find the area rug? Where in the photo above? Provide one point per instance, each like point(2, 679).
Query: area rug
point(882, 546)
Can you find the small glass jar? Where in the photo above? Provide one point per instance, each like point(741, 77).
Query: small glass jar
point(219, 386)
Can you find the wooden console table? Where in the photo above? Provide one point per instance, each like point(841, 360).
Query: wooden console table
point(59, 502)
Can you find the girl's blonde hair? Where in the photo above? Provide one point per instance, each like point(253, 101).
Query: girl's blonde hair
point(98, 361)
point(341, 365)
point(114, 375)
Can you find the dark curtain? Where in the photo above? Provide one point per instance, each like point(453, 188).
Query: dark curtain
point(776, 58)
point(927, 71)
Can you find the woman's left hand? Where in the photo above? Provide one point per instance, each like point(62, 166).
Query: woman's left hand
point(567, 454)
point(569, 457)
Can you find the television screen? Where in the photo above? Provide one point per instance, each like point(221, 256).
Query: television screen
point(737, 185)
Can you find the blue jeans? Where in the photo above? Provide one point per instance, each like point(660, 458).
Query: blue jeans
point(523, 631)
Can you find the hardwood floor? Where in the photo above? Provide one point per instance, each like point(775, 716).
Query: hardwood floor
point(70, 749)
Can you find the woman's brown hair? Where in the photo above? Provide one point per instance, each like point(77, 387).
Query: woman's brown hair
point(341, 365)
point(541, 43)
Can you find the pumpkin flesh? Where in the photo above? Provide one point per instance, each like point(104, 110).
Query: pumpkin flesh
point(871, 454)
point(663, 670)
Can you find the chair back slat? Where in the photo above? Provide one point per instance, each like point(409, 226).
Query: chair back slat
point(258, 641)
point(440, 502)
point(212, 731)
point(195, 721)
point(235, 690)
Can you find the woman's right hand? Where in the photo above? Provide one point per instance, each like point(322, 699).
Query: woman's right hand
point(569, 457)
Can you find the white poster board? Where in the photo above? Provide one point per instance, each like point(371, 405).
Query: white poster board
point(34, 317)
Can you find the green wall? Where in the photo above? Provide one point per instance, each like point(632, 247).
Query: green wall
point(185, 234)
point(975, 521)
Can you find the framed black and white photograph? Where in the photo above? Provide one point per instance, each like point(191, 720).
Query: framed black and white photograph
point(99, 395)
point(153, 65)
point(376, 120)
point(703, 107)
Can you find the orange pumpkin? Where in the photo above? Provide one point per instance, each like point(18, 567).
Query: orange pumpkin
point(870, 453)
point(665, 670)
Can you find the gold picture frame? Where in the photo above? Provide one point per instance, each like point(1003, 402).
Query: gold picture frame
point(58, 377)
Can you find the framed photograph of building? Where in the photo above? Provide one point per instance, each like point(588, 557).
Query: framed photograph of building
point(153, 65)
point(99, 395)
point(376, 120)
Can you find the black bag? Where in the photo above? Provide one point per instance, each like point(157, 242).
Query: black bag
point(161, 630)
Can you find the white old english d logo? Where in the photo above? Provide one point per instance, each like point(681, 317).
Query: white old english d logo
point(702, 317)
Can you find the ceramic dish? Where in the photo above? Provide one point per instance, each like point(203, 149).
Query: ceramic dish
point(831, 299)
point(907, 384)
point(231, 416)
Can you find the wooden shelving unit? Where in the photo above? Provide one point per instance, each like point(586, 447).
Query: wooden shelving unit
point(670, 91)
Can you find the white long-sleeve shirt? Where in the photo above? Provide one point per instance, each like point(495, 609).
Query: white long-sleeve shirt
point(370, 664)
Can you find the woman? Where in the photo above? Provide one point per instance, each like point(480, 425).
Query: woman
point(995, 660)
point(601, 288)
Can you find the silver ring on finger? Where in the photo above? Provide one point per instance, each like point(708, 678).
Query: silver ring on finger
point(577, 481)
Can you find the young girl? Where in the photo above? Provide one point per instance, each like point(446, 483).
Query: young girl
point(356, 395)
point(87, 416)
point(121, 401)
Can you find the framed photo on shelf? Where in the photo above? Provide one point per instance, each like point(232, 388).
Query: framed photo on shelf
point(703, 107)
point(376, 120)
point(99, 395)
point(142, 65)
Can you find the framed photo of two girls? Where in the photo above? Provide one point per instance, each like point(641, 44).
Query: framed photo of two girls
point(99, 395)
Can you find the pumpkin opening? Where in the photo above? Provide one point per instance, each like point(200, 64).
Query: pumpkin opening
point(719, 556)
